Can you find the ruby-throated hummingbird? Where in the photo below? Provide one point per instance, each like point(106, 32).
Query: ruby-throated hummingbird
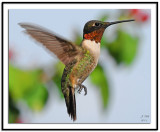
point(79, 61)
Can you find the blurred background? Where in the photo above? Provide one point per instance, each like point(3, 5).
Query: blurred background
point(118, 89)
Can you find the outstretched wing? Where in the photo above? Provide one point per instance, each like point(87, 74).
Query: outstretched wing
point(63, 49)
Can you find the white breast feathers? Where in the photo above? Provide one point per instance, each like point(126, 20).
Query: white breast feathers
point(93, 47)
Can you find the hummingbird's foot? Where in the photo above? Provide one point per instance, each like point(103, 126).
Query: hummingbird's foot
point(82, 87)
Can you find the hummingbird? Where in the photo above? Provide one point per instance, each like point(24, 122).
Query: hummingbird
point(79, 60)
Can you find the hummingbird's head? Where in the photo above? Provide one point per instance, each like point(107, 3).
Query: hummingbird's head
point(94, 29)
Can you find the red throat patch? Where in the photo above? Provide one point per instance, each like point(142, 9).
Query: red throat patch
point(95, 35)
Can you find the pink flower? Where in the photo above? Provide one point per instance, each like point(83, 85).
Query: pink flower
point(139, 15)
point(10, 54)
point(18, 120)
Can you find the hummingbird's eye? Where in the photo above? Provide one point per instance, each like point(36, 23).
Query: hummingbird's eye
point(97, 24)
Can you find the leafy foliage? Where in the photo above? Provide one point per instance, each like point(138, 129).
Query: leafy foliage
point(99, 79)
point(103, 17)
point(13, 111)
point(57, 77)
point(124, 48)
point(77, 39)
point(27, 86)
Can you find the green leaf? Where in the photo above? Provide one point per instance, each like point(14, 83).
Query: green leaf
point(77, 38)
point(124, 48)
point(103, 17)
point(37, 97)
point(57, 77)
point(104, 42)
point(13, 111)
point(27, 86)
point(99, 79)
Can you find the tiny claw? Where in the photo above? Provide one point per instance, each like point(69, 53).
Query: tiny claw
point(82, 87)
point(85, 90)
point(79, 90)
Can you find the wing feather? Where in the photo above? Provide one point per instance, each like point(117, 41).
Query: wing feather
point(63, 49)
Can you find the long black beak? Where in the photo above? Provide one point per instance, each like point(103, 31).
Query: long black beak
point(116, 22)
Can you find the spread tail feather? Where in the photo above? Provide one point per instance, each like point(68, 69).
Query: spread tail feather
point(71, 103)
